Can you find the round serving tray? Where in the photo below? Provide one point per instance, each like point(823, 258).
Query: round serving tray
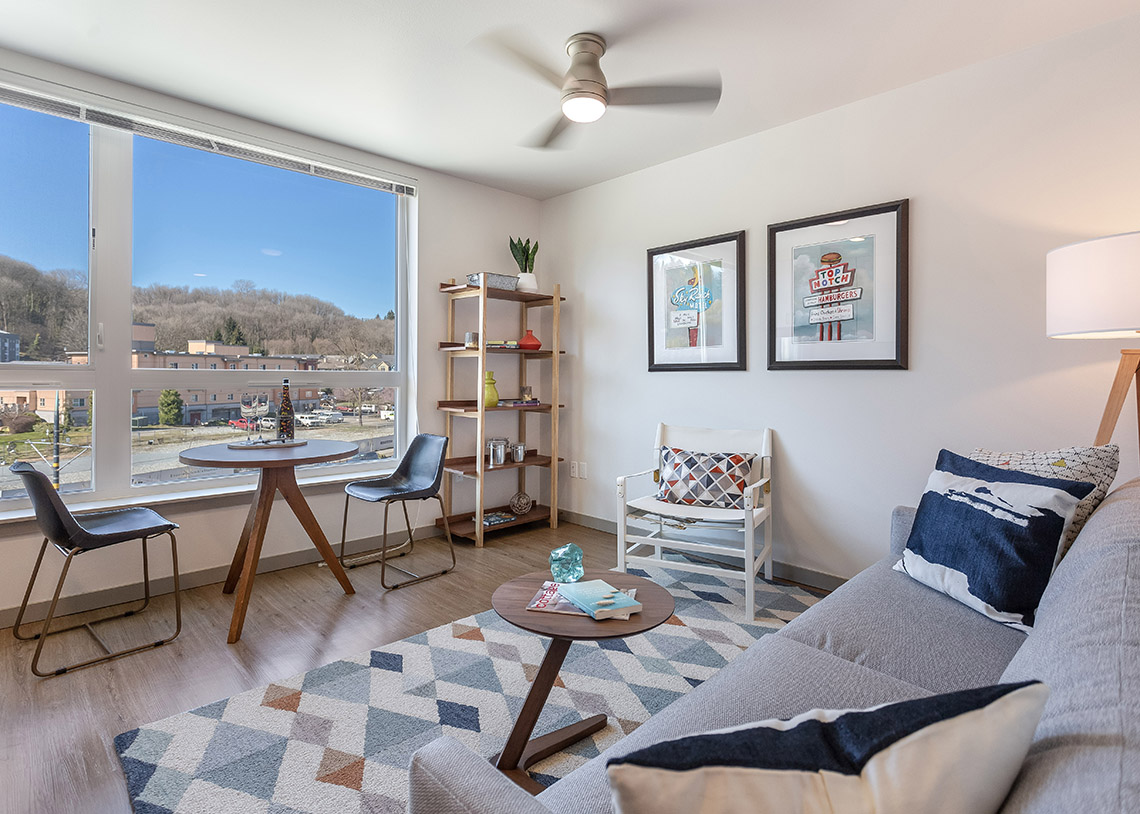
point(258, 446)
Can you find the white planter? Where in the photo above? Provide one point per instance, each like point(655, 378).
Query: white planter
point(527, 283)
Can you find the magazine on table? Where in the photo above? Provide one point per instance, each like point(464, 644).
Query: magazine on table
point(548, 600)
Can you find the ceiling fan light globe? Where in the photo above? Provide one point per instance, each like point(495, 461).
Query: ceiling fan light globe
point(583, 108)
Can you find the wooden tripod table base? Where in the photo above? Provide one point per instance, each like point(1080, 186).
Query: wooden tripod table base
point(276, 468)
point(510, 601)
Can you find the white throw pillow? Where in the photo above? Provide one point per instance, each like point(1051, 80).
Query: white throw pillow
point(1095, 465)
point(957, 753)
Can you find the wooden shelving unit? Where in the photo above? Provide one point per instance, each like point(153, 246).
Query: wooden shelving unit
point(477, 467)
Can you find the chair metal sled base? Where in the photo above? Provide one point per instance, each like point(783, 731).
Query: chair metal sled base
point(385, 555)
point(45, 630)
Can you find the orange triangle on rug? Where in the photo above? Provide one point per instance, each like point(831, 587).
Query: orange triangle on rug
point(283, 698)
point(341, 769)
point(469, 632)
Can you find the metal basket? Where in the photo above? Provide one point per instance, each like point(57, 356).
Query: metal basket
point(507, 282)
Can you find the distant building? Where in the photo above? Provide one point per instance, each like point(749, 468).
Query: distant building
point(9, 347)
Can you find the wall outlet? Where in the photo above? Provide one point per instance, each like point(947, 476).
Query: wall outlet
point(573, 469)
point(582, 470)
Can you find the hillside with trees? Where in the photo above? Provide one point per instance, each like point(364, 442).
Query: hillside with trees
point(48, 309)
point(49, 312)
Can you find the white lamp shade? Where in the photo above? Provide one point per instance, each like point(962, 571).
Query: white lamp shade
point(1092, 289)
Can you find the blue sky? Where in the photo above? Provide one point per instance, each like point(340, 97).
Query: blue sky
point(199, 219)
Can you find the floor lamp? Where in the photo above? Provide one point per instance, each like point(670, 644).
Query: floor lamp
point(1092, 291)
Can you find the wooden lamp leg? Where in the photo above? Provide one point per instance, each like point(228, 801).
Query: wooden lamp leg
point(1125, 374)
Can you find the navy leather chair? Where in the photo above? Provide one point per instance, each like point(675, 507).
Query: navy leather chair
point(74, 535)
point(418, 477)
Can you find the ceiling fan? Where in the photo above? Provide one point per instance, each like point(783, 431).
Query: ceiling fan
point(586, 94)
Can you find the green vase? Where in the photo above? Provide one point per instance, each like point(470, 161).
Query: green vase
point(490, 394)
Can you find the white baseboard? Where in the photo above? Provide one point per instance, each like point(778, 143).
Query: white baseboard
point(106, 597)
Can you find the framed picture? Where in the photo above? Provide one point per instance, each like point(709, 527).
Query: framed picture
point(696, 305)
point(837, 290)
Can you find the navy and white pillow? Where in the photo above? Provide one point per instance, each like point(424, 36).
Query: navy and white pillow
point(715, 479)
point(990, 537)
point(958, 752)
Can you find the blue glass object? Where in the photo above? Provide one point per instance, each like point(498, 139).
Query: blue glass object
point(566, 563)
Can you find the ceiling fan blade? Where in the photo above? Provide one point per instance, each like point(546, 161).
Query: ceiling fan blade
point(502, 46)
point(707, 96)
point(553, 136)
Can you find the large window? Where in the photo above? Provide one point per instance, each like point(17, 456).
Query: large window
point(241, 273)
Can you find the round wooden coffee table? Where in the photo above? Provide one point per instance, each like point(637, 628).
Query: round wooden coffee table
point(275, 466)
point(510, 601)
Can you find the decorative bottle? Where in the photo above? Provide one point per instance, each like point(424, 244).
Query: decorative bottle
point(490, 392)
point(530, 341)
point(285, 426)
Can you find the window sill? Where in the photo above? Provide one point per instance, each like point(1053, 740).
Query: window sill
point(212, 493)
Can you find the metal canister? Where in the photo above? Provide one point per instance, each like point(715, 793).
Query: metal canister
point(498, 451)
point(518, 452)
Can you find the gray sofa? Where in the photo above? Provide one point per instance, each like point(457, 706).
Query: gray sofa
point(883, 637)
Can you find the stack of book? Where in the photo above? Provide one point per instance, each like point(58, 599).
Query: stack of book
point(595, 597)
point(497, 518)
point(502, 343)
point(518, 402)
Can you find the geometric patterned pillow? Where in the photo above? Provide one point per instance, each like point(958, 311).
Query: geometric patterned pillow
point(714, 479)
point(1095, 465)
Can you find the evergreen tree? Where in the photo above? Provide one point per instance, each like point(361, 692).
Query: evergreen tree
point(391, 314)
point(170, 408)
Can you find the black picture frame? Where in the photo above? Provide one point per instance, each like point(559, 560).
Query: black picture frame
point(712, 345)
point(877, 325)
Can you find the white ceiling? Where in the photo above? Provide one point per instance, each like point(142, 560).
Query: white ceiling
point(420, 81)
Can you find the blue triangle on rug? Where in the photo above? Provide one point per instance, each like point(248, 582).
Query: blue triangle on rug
point(236, 743)
point(255, 774)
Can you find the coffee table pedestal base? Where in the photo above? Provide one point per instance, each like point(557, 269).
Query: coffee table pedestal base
point(546, 745)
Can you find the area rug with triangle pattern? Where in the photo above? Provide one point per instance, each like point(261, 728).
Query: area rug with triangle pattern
point(338, 739)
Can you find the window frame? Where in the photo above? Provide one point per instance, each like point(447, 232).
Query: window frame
point(111, 382)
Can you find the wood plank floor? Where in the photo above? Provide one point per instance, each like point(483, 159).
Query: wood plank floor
point(56, 751)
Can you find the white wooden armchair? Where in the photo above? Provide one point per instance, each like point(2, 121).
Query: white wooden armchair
point(703, 531)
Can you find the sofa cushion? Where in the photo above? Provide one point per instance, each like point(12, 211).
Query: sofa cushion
point(878, 759)
point(775, 678)
point(1086, 647)
point(990, 537)
point(886, 621)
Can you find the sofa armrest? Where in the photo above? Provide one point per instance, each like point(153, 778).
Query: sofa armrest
point(448, 778)
point(902, 518)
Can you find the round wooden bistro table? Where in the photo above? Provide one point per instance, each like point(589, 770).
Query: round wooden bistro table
point(275, 466)
point(509, 601)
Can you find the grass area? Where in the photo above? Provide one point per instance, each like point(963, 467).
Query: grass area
point(16, 447)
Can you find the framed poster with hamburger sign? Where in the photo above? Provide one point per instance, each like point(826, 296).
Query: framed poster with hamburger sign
point(837, 290)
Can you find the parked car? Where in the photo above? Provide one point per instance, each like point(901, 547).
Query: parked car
point(330, 416)
point(387, 415)
point(369, 408)
point(269, 424)
point(243, 424)
point(310, 420)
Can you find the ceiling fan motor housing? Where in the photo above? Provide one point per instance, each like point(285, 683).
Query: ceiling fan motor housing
point(585, 77)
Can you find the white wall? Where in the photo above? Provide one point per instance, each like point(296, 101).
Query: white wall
point(461, 226)
point(1001, 162)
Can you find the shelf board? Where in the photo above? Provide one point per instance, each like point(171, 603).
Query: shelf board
point(469, 407)
point(465, 467)
point(462, 290)
point(460, 350)
point(463, 525)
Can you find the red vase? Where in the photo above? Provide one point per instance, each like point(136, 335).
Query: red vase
point(530, 341)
